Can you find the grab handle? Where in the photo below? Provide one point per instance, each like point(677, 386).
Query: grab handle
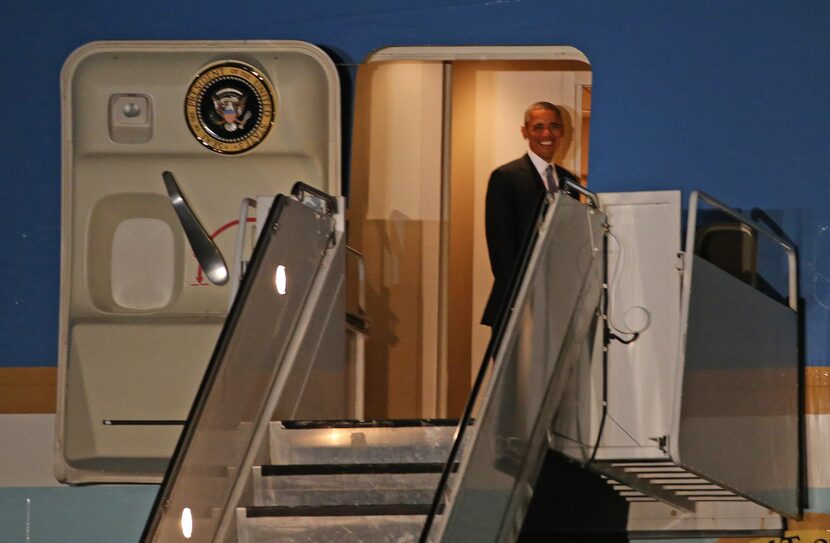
point(203, 247)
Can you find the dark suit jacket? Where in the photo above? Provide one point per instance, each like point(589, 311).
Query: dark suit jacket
point(513, 195)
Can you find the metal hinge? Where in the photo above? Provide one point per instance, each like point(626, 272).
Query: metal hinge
point(662, 443)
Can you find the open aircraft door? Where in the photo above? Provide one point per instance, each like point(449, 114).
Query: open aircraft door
point(144, 291)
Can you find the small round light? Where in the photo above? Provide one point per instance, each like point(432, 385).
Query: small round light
point(187, 523)
point(132, 110)
point(280, 279)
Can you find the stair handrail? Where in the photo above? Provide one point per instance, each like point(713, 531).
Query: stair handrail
point(288, 351)
point(789, 249)
point(489, 356)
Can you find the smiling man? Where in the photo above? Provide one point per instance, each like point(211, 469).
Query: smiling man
point(513, 194)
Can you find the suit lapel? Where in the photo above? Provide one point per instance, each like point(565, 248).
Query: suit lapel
point(535, 180)
point(532, 174)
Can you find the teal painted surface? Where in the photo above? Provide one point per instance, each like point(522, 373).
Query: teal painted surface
point(92, 514)
point(116, 514)
point(818, 500)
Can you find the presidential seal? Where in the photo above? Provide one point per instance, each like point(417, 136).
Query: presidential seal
point(230, 107)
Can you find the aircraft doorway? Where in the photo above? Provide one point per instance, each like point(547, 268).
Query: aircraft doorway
point(430, 125)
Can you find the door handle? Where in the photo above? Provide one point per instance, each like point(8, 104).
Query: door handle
point(203, 247)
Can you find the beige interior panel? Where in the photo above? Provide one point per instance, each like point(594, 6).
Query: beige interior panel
point(111, 382)
point(394, 219)
point(134, 256)
point(142, 264)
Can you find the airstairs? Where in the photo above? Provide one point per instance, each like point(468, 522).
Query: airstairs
point(238, 475)
point(259, 460)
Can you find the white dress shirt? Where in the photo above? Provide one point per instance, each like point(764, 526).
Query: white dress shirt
point(541, 166)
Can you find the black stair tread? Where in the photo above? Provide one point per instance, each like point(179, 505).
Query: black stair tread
point(352, 469)
point(369, 423)
point(338, 510)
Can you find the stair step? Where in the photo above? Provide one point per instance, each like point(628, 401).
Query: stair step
point(346, 481)
point(361, 442)
point(328, 529)
point(367, 510)
point(351, 469)
point(354, 484)
point(366, 423)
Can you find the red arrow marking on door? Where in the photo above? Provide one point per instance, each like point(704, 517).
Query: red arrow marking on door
point(200, 279)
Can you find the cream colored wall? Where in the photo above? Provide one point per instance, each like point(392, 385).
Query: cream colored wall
point(395, 221)
point(405, 185)
point(404, 176)
point(501, 97)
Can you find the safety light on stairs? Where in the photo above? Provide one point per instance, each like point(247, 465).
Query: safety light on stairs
point(279, 280)
point(187, 523)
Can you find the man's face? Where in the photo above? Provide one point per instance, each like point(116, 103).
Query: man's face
point(543, 132)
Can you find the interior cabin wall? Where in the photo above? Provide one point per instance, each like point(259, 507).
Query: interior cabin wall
point(394, 220)
point(460, 318)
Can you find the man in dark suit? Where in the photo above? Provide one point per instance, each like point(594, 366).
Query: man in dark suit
point(513, 195)
point(569, 502)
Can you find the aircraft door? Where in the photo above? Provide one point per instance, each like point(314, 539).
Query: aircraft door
point(431, 123)
point(143, 296)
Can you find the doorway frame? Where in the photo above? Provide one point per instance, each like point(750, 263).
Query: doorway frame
point(434, 371)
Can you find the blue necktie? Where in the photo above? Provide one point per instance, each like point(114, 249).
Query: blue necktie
point(549, 178)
